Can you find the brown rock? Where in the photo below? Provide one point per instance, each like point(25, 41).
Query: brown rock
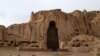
point(95, 25)
point(2, 32)
point(65, 27)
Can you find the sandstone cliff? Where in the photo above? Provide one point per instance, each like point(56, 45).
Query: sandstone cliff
point(68, 25)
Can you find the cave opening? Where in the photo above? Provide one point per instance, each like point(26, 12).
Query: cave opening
point(52, 37)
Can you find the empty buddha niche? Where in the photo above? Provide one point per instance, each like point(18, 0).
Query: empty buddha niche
point(52, 37)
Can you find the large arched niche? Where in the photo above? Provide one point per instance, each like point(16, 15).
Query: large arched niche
point(46, 26)
point(52, 37)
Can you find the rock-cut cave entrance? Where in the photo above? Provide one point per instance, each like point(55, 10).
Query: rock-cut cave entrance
point(52, 37)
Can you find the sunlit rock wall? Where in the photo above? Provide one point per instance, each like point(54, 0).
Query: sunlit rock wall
point(68, 25)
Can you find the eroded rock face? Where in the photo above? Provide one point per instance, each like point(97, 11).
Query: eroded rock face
point(68, 26)
point(84, 43)
point(2, 32)
point(95, 25)
point(83, 40)
point(16, 31)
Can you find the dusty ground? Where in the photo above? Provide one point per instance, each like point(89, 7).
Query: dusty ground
point(11, 51)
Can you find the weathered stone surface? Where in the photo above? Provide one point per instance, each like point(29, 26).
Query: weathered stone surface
point(68, 25)
point(95, 25)
point(83, 44)
point(2, 32)
point(27, 32)
point(16, 31)
point(83, 40)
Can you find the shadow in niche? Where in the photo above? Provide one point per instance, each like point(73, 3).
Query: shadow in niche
point(52, 37)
